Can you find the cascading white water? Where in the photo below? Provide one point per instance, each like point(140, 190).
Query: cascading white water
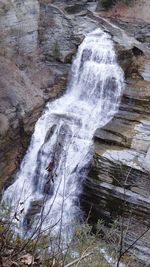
point(63, 136)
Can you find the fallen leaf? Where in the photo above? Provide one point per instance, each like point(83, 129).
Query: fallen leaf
point(27, 259)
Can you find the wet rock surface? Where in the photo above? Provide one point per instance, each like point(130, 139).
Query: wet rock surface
point(38, 40)
point(36, 37)
point(119, 180)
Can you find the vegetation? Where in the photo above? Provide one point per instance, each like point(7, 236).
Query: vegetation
point(108, 3)
point(90, 246)
point(56, 51)
point(41, 249)
point(87, 248)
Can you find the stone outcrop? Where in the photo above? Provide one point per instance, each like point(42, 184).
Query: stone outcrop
point(36, 37)
point(19, 26)
point(119, 179)
point(21, 105)
point(62, 28)
point(27, 82)
point(55, 33)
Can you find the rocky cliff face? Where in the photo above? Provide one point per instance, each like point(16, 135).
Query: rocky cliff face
point(119, 180)
point(55, 33)
point(38, 40)
point(19, 26)
point(27, 81)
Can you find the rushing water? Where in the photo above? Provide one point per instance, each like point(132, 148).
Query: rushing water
point(63, 136)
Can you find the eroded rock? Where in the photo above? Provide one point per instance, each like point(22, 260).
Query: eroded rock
point(55, 33)
point(19, 26)
point(119, 181)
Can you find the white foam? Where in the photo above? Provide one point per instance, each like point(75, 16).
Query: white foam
point(91, 100)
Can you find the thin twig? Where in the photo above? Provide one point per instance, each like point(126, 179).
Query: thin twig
point(79, 259)
point(135, 242)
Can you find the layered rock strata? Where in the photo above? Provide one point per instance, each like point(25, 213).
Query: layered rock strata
point(37, 38)
point(119, 180)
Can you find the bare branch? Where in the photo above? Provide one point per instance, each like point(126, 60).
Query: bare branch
point(79, 259)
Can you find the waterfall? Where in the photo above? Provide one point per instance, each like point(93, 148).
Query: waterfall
point(63, 137)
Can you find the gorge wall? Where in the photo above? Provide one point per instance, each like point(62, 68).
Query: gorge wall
point(27, 81)
point(38, 40)
point(31, 74)
point(119, 180)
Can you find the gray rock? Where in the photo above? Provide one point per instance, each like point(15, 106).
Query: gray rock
point(115, 188)
point(56, 33)
point(19, 26)
point(146, 160)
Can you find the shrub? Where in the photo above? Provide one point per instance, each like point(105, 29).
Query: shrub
point(106, 3)
point(89, 247)
point(56, 51)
